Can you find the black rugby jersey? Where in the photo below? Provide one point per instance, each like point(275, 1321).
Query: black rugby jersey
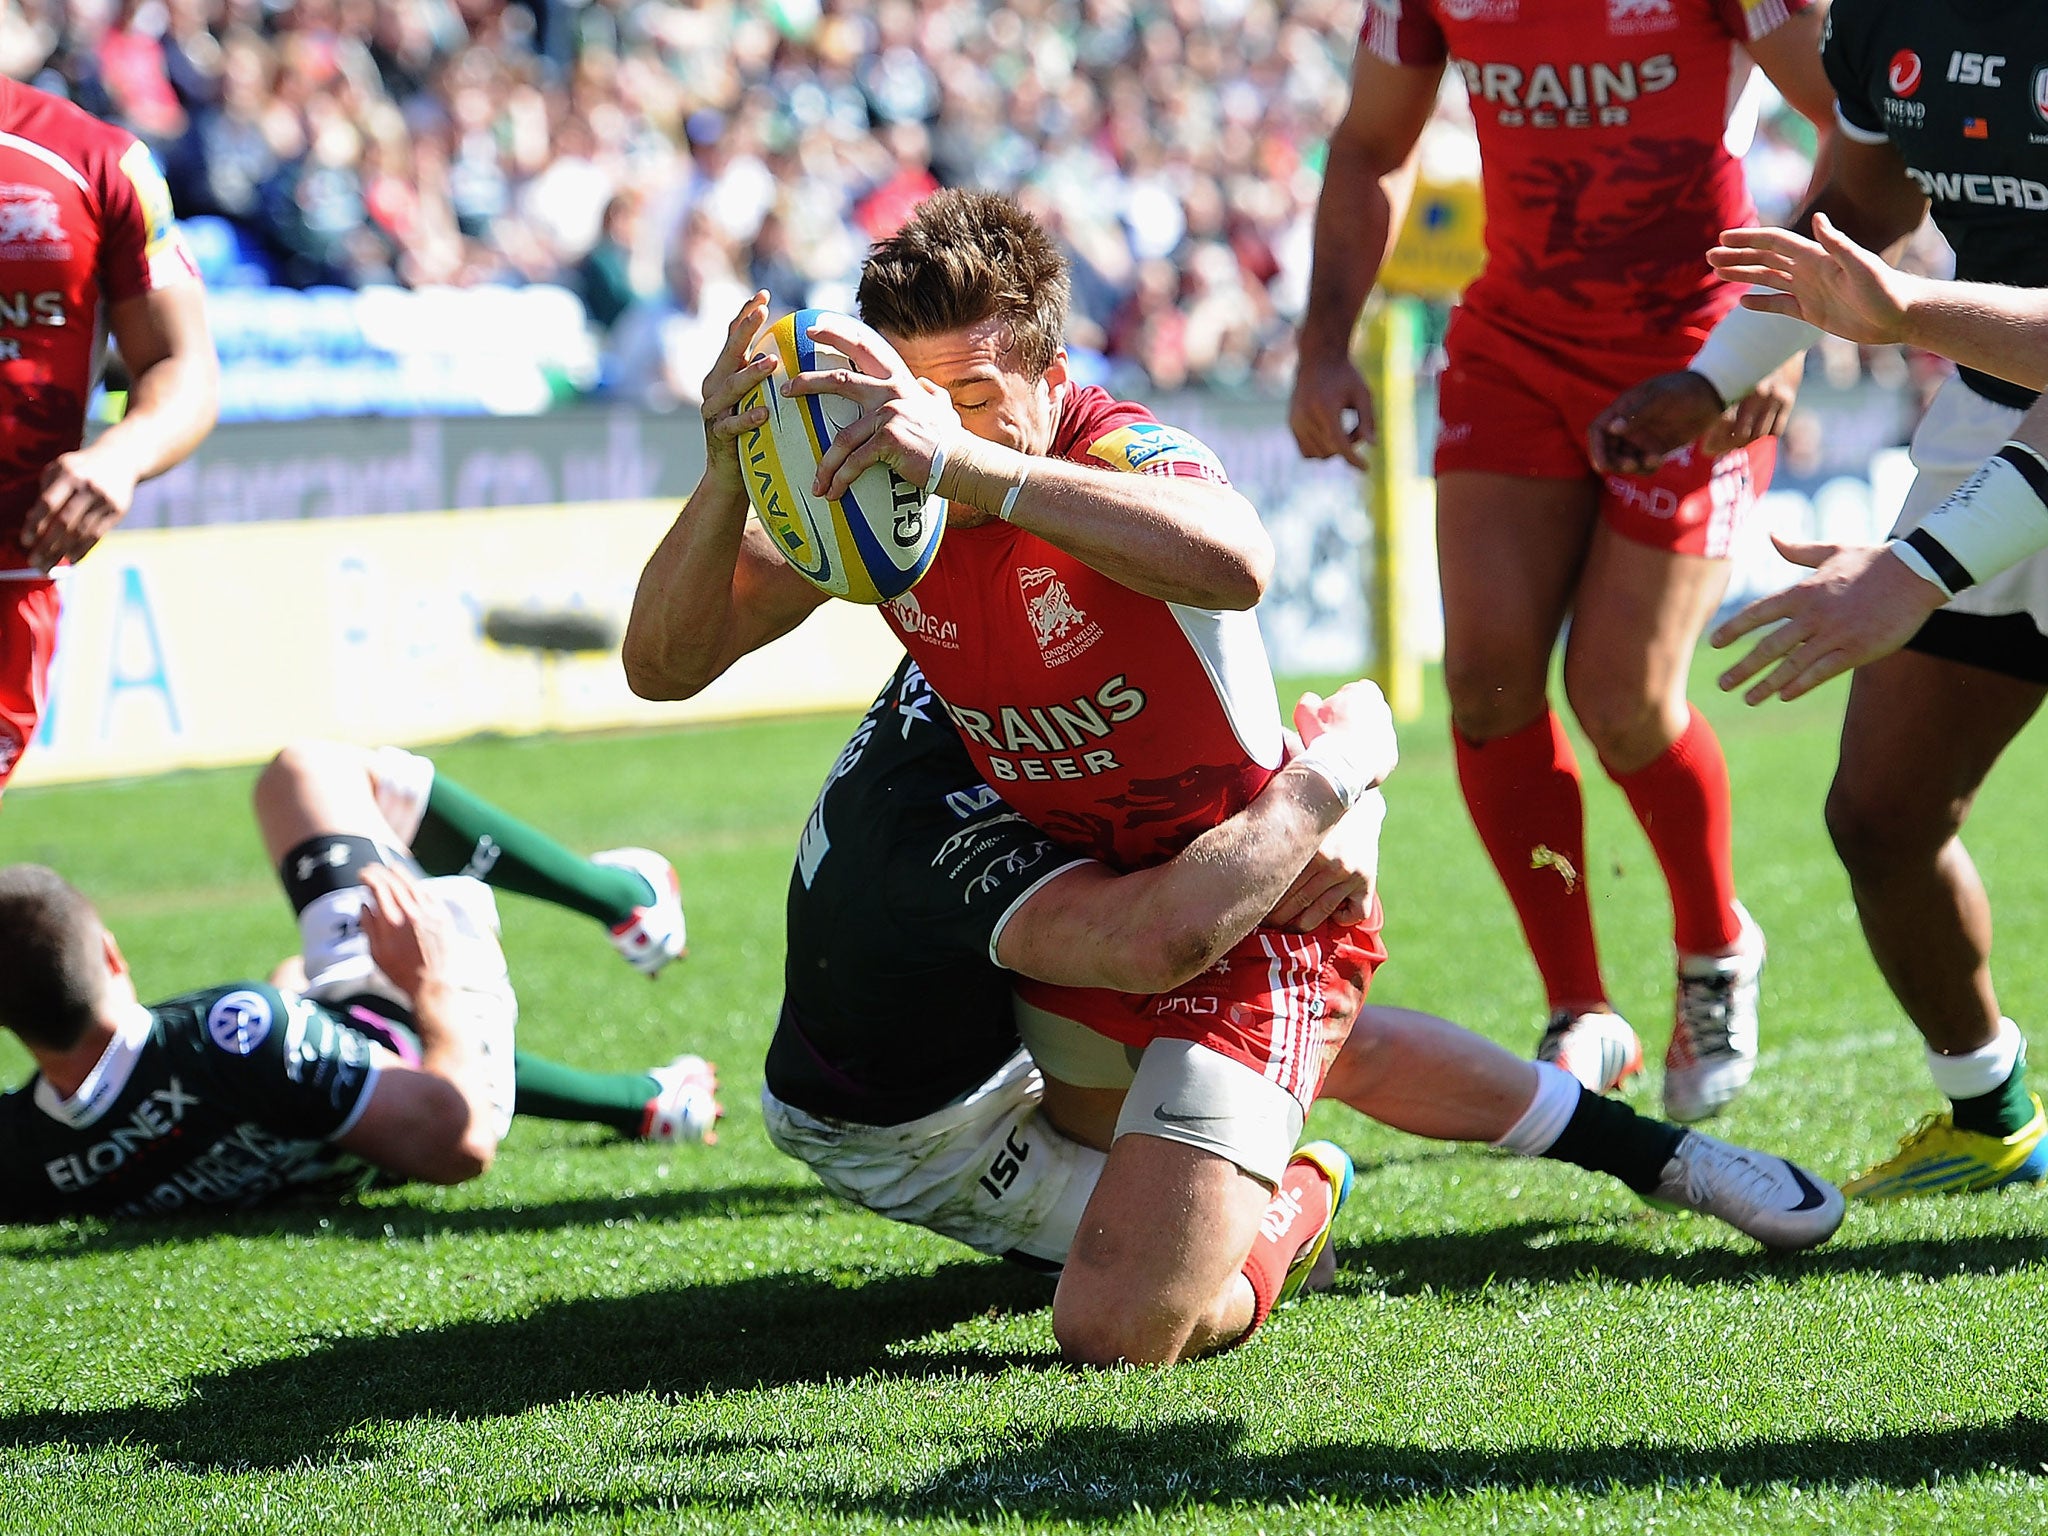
point(893, 1005)
point(1960, 87)
point(228, 1096)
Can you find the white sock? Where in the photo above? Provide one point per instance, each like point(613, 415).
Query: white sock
point(1975, 1073)
point(1549, 1112)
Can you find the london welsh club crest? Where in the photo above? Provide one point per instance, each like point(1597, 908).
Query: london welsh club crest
point(1049, 607)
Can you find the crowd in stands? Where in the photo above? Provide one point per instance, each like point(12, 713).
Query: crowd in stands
point(662, 159)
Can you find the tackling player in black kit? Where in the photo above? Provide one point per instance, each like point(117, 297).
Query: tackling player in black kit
point(896, 1073)
point(1944, 109)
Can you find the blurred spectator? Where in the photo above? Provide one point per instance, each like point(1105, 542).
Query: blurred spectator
point(604, 277)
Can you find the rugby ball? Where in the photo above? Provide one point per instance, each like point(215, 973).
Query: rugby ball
point(873, 543)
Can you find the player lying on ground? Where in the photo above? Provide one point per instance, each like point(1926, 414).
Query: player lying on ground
point(386, 1048)
point(1092, 585)
point(918, 898)
point(1925, 724)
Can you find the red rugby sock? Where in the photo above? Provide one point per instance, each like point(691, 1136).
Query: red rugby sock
point(1297, 1211)
point(1681, 798)
point(1523, 793)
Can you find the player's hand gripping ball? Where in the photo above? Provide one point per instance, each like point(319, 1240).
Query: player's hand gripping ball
point(873, 543)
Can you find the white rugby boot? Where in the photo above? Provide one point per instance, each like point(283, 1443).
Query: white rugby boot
point(1714, 1027)
point(654, 934)
point(1776, 1202)
point(1596, 1046)
point(687, 1108)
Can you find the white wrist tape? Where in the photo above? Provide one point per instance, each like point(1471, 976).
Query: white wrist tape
point(931, 481)
point(1347, 765)
point(1010, 498)
point(1746, 346)
point(1994, 520)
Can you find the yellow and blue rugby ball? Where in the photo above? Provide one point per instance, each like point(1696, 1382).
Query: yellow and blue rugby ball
point(873, 543)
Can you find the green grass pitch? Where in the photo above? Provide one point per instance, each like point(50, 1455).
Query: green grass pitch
point(605, 1337)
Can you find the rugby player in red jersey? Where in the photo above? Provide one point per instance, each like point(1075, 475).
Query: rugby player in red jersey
point(87, 248)
point(1086, 625)
point(1602, 128)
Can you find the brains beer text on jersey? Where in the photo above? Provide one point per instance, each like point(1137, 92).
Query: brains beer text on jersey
point(1048, 731)
point(1569, 95)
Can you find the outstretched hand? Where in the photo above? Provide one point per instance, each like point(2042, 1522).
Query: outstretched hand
point(1829, 281)
point(1861, 603)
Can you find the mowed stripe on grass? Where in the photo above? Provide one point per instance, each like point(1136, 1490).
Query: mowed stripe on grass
point(607, 1337)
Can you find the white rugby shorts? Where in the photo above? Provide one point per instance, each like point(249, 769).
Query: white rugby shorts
point(338, 967)
point(987, 1170)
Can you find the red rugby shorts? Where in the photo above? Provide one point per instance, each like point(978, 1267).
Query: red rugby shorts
point(1508, 407)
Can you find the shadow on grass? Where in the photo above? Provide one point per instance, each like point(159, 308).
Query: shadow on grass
point(381, 1221)
point(1099, 1474)
point(1463, 1263)
point(735, 1336)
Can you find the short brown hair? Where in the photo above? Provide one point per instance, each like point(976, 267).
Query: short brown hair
point(963, 258)
point(53, 973)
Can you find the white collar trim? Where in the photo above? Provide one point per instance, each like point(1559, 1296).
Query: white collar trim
point(108, 1077)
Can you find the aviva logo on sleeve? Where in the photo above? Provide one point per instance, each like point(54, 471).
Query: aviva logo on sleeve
point(1150, 447)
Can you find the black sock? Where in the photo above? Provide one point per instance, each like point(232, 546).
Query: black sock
point(1606, 1136)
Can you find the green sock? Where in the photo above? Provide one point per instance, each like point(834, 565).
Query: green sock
point(1606, 1136)
point(547, 1090)
point(464, 834)
point(2005, 1109)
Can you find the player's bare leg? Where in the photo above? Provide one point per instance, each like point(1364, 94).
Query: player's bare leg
point(399, 799)
point(1636, 622)
point(316, 788)
point(1511, 551)
point(1919, 737)
point(1427, 1076)
point(1155, 1271)
point(1638, 618)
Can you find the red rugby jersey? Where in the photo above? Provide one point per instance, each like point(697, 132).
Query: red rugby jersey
point(1606, 178)
point(85, 220)
point(1123, 725)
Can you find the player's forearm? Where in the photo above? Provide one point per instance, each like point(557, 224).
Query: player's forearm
point(172, 405)
point(1987, 326)
point(1155, 929)
point(1174, 537)
point(1357, 215)
point(679, 635)
point(457, 1142)
point(1994, 520)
